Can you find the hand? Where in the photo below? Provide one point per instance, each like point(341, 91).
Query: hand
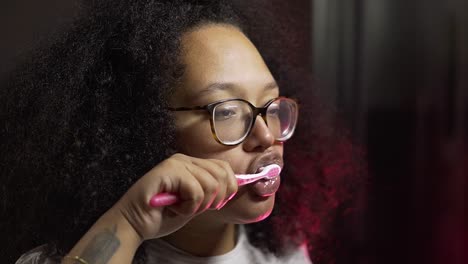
point(201, 184)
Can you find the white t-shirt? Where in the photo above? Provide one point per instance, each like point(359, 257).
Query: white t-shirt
point(159, 251)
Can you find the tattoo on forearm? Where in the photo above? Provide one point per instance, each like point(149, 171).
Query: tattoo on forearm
point(102, 247)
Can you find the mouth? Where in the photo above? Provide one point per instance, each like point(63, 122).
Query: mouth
point(260, 163)
point(261, 169)
point(268, 186)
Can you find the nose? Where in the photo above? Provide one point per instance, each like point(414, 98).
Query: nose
point(260, 137)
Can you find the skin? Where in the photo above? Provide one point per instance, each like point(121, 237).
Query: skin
point(223, 54)
point(203, 222)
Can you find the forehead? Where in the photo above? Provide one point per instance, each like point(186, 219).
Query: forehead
point(220, 53)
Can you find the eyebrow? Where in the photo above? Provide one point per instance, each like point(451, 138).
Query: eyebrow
point(229, 86)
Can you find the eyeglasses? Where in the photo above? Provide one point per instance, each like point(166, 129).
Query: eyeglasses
point(232, 120)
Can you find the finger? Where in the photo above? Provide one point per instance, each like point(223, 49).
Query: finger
point(232, 187)
point(210, 185)
point(184, 172)
point(223, 171)
point(228, 176)
point(190, 196)
point(221, 175)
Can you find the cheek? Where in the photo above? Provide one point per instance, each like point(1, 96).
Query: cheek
point(194, 138)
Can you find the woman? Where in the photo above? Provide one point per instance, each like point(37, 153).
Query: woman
point(139, 98)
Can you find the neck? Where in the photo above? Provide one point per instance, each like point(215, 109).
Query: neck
point(201, 238)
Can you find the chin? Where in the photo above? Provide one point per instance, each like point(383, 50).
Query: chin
point(250, 209)
point(257, 218)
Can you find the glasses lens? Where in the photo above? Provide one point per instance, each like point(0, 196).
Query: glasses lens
point(281, 118)
point(231, 121)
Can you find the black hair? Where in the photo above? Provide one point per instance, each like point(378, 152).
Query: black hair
point(86, 116)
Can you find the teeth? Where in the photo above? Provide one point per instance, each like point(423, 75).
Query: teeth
point(260, 169)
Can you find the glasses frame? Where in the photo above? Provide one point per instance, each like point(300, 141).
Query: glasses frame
point(255, 110)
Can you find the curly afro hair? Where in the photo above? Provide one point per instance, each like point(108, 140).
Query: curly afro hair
point(86, 116)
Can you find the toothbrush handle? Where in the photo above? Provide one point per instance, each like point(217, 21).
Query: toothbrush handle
point(163, 199)
point(241, 182)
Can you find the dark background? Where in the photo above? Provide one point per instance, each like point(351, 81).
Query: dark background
point(397, 73)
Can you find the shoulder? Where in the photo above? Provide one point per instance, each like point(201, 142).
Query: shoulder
point(37, 256)
point(293, 256)
point(297, 255)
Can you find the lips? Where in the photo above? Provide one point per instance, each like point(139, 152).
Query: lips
point(261, 162)
point(266, 187)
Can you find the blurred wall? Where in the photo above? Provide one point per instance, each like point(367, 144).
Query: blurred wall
point(397, 70)
point(24, 22)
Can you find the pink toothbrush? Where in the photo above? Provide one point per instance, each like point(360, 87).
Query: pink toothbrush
point(269, 172)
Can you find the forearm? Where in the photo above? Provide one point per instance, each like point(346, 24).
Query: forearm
point(110, 240)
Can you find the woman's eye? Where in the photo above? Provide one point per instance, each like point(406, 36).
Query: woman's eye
point(225, 113)
point(273, 110)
